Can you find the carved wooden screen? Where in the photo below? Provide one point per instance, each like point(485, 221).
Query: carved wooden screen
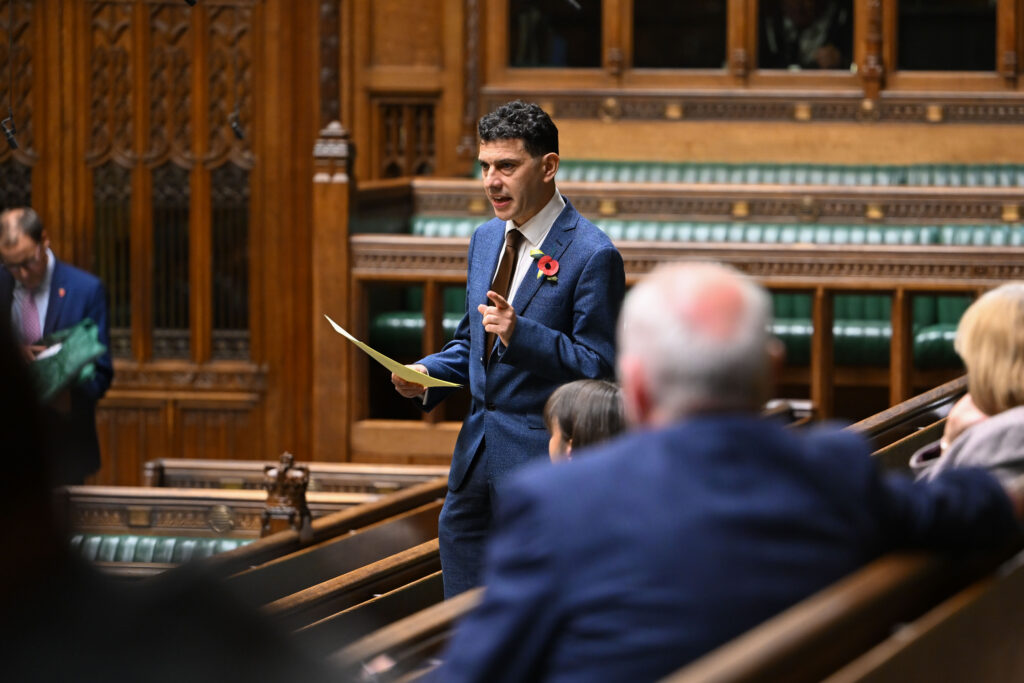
point(16, 89)
point(405, 137)
point(170, 176)
point(112, 204)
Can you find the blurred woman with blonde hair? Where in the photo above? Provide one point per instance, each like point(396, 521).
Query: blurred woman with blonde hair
point(986, 427)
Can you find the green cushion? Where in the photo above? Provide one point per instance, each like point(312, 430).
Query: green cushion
point(161, 549)
point(933, 347)
point(861, 321)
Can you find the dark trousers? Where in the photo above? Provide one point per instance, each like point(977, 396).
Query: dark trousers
point(463, 528)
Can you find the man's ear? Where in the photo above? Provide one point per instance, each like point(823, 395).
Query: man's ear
point(44, 239)
point(549, 162)
point(636, 398)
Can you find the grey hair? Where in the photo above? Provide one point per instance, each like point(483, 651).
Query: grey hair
point(688, 366)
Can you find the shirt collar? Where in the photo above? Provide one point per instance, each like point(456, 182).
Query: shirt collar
point(537, 227)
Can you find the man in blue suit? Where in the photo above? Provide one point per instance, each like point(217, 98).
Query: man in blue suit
point(41, 295)
point(702, 522)
point(561, 281)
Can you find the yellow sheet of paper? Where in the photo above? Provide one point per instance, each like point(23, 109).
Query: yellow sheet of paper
point(392, 365)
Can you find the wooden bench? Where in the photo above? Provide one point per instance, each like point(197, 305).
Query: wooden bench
point(192, 512)
point(821, 272)
point(972, 636)
point(810, 640)
point(328, 527)
point(823, 633)
point(344, 553)
point(323, 476)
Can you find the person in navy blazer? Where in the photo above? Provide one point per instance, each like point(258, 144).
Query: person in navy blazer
point(552, 331)
point(701, 522)
point(70, 296)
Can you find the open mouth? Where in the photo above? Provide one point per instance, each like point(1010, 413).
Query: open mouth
point(500, 201)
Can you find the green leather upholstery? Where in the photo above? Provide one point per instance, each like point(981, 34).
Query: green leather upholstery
point(862, 328)
point(159, 549)
point(864, 175)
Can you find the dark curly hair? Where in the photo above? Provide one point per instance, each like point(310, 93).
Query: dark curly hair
point(521, 121)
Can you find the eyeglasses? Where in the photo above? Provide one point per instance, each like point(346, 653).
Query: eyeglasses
point(27, 263)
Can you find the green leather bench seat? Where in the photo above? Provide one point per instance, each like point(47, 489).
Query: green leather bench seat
point(927, 175)
point(861, 329)
point(997, 235)
point(159, 549)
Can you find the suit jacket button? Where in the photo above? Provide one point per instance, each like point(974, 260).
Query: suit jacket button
point(491, 406)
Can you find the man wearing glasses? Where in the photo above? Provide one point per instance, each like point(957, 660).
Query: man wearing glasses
point(41, 295)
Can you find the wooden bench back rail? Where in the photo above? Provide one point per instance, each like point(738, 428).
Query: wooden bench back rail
point(907, 416)
point(338, 630)
point(323, 476)
point(409, 641)
point(826, 631)
point(315, 564)
point(973, 636)
point(328, 527)
point(896, 456)
point(330, 597)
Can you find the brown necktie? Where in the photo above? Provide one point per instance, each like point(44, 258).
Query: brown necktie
point(503, 278)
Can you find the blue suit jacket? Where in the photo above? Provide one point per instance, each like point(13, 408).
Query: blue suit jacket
point(565, 330)
point(74, 295)
point(636, 558)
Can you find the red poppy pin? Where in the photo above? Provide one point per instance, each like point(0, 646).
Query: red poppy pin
point(61, 292)
point(547, 267)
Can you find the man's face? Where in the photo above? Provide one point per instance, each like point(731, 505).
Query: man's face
point(517, 184)
point(26, 260)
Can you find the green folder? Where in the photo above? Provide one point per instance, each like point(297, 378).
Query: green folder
point(71, 364)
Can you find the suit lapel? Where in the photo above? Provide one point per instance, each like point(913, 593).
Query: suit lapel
point(486, 258)
point(554, 245)
point(56, 301)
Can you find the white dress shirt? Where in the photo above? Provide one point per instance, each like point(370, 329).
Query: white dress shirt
point(534, 232)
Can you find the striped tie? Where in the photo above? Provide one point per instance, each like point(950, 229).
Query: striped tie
point(30, 332)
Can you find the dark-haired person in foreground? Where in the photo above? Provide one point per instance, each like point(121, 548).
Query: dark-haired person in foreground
point(40, 295)
point(704, 520)
point(64, 620)
point(552, 322)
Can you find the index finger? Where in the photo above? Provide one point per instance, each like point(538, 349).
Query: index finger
point(498, 299)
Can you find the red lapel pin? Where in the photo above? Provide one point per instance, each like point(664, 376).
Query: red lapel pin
point(60, 292)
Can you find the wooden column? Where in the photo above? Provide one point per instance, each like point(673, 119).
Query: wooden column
point(901, 348)
point(872, 66)
point(822, 354)
point(332, 357)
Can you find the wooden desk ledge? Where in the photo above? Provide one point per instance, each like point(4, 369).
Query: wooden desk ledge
point(334, 589)
point(815, 636)
point(329, 526)
point(425, 625)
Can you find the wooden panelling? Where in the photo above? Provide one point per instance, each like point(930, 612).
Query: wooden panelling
point(132, 430)
point(822, 142)
point(211, 428)
point(405, 33)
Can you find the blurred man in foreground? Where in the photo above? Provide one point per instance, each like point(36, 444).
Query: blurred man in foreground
point(704, 520)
